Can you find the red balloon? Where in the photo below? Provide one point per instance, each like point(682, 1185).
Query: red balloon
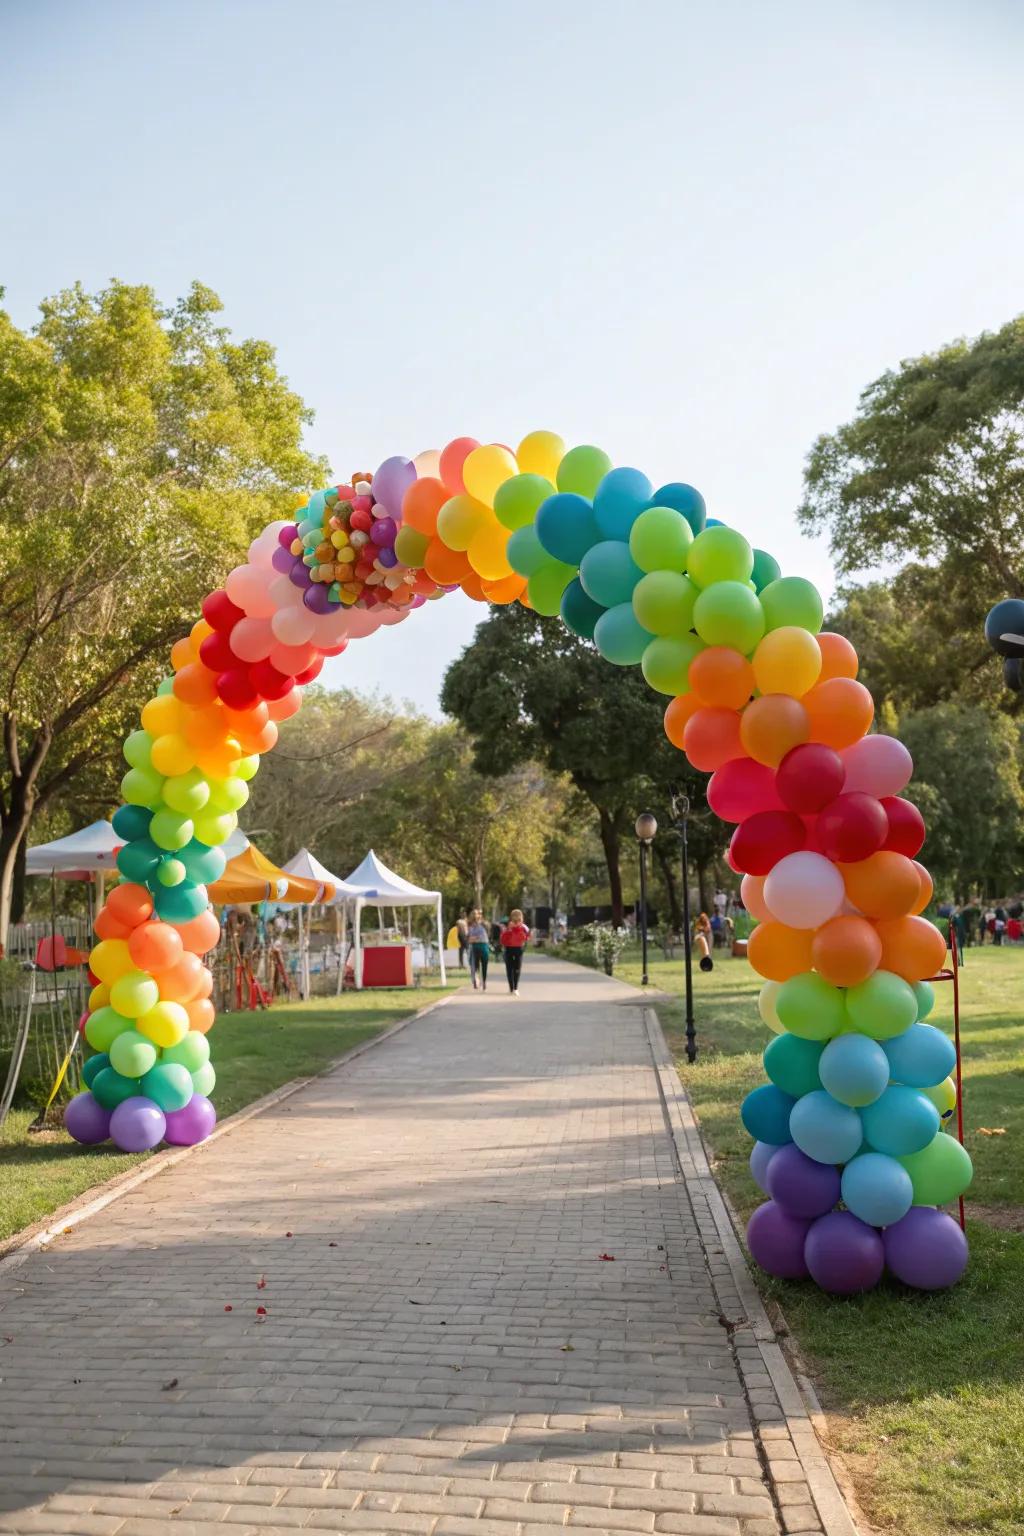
point(764, 838)
point(215, 652)
point(312, 671)
point(220, 612)
point(741, 788)
point(336, 650)
point(235, 688)
point(852, 828)
point(809, 778)
point(906, 826)
point(813, 843)
point(361, 521)
point(268, 681)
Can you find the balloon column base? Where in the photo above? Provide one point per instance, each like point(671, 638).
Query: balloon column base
point(845, 1256)
point(138, 1124)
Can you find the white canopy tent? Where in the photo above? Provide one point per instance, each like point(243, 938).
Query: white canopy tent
point(80, 855)
point(375, 883)
point(308, 867)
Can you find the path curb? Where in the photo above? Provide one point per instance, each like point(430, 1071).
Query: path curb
point(739, 1298)
point(94, 1200)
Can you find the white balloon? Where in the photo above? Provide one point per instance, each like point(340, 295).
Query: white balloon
point(428, 464)
point(804, 890)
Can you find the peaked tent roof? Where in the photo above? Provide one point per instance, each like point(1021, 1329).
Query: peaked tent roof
point(308, 867)
point(374, 881)
point(250, 876)
point(80, 853)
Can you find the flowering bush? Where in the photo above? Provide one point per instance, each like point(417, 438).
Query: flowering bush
point(608, 944)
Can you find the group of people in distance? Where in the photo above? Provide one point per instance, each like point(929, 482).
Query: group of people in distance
point(974, 924)
point(475, 941)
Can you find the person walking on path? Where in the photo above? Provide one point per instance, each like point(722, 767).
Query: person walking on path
point(513, 942)
point(461, 928)
point(479, 949)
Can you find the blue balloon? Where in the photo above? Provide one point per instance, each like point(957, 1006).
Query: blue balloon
point(131, 822)
point(609, 573)
point(901, 1122)
point(765, 1113)
point(579, 612)
point(685, 499)
point(761, 1155)
point(620, 637)
point(826, 1130)
point(525, 552)
point(854, 1070)
point(618, 501)
point(922, 1057)
point(877, 1188)
point(566, 526)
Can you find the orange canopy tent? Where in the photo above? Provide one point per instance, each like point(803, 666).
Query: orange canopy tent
point(250, 877)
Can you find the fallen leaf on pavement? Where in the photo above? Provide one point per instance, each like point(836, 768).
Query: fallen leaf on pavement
point(609, 1258)
point(169, 1386)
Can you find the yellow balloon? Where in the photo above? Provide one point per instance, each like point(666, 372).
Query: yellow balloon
point(110, 959)
point(165, 1024)
point(766, 999)
point(540, 453)
point(99, 997)
point(485, 469)
point(172, 755)
point(943, 1096)
point(459, 519)
point(787, 660)
point(163, 716)
point(487, 551)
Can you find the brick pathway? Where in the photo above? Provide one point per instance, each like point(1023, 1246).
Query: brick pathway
point(444, 1348)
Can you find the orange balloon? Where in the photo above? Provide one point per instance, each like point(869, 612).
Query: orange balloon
point(841, 711)
point(182, 654)
point(286, 706)
point(182, 981)
point(778, 952)
point(205, 727)
point(154, 946)
point(846, 951)
point(421, 504)
point(678, 711)
point(473, 586)
point(505, 590)
point(721, 677)
point(912, 947)
point(129, 904)
point(252, 718)
point(198, 633)
point(711, 738)
point(752, 897)
point(205, 987)
point(423, 584)
point(199, 934)
point(201, 1014)
point(195, 684)
point(107, 926)
point(220, 762)
point(927, 888)
point(884, 886)
point(838, 657)
point(443, 565)
point(772, 726)
point(262, 739)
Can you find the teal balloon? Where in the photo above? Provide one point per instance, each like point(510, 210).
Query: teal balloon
point(877, 1188)
point(765, 1114)
point(609, 573)
point(618, 501)
point(922, 1057)
point(925, 994)
point(203, 865)
point(900, 1123)
point(138, 859)
point(131, 822)
point(525, 552)
point(180, 903)
point(92, 1067)
point(111, 1088)
point(792, 1064)
point(168, 1084)
point(686, 500)
point(566, 527)
point(766, 569)
point(854, 1070)
point(620, 638)
point(579, 612)
point(824, 1129)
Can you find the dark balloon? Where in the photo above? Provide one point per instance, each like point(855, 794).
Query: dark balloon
point(906, 826)
point(853, 827)
point(1004, 627)
point(1012, 674)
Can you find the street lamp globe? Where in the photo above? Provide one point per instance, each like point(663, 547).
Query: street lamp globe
point(646, 827)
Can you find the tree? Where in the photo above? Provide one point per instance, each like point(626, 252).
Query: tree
point(141, 449)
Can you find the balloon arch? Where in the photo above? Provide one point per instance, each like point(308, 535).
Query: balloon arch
point(849, 1139)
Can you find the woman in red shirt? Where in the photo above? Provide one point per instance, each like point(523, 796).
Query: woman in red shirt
point(513, 942)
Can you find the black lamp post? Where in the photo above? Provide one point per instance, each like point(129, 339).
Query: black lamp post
point(645, 828)
point(680, 812)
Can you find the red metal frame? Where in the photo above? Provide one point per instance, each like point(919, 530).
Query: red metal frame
point(953, 975)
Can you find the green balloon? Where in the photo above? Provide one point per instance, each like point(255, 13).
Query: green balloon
point(525, 552)
point(169, 1085)
point(204, 1080)
point(137, 749)
point(766, 569)
point(111, 1088)
point(411, 547)
point(925, 994)
point(132, 1054)
point(166, 686)
point(940, 1172)
point(181, 902)
point(228, 795)
point(582, 471)
point(104, 1026)
point(170, 830)
point(546, 585)
point(719, 554)
point(883, 1006)
point(620, 638)
point(141, 786)
point(809, 1006)
point(666, 663)
point(792, 600)
point(660, 540)
point(517, 500)
point(191, 1053)
point(792, 1064)
point(187, 792)
point(171, 872)
point(729, 613)
point(93, 1067)
point(663, 603)
point(248, 767)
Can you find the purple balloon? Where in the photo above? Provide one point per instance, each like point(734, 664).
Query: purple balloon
point(760, 1156)
point(384, 532)
point(776, 1241)
point(315, 597)
point(844, 1254)
point(391, 482)
point(387, 558)
point(282, 560)
point(137, 1124)
point(299, 574)
point(926, 1249)
point(288, 535)
point(86, 1120)
point(800, 1185)
point(418, 601)
point(186, 1127)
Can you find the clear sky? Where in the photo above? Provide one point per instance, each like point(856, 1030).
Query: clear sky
point(689, 233)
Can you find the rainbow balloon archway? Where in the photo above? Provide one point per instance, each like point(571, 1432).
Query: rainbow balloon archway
point(849, 1138)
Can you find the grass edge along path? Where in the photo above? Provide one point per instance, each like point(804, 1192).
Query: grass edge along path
point(252, 1052)
point(924, 1393)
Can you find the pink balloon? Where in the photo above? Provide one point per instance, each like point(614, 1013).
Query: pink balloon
point(291, 659)
point(292, 626)
point(741, 788)
point(284, 708)
point(283, 593)
point(804, 890)
point(362, 622)
point(877, 765)
point(252, 640)
point(248, 587)
point(752, 897)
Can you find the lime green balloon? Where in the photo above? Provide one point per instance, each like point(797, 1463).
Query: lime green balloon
point(524, 551)
point(663, 602)
point(186, 792)
point(171, 830)
point(620, 638)
point(660, 540)
point(883, 1006)
point(729, 613)
point(546, 585)
point(719, 554)
point(248, 768)
point(111, 1088)
point(411, 547)
point(171, 872)
point(517, 500)
point(137, 749)
point(666, 663)
point(141, 786)
point(168, 1085)
point(943, 1096)
point(791, 601)
point(925, 994)
point(134, 994)
point(204, 1080)
point(103, 1027)
point(132, 1054)
point(582, 470)
point(940, 1172)
point(809, 1006)
point(166, 686)
point(228, 794)
point(191, 1053)
point(215, 827)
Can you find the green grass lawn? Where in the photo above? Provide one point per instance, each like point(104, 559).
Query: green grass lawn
point(925, 1392)
point(252, 1053)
